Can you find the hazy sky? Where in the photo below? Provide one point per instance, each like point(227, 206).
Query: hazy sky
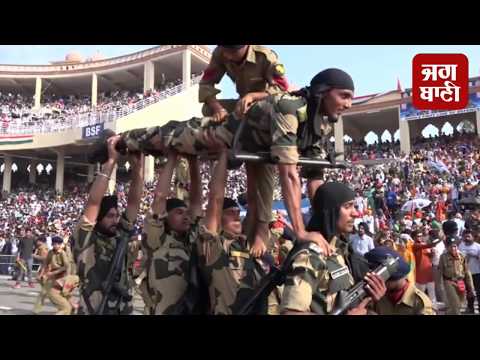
point(374, 68)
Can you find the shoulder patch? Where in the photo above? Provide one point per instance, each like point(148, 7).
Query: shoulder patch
point(288, 105)
point(315, 248)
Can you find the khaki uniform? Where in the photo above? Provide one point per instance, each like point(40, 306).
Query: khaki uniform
point(314, 281)
point(93, 255)
point(54, 287)
point(229, 270)
point(452, 270)
point(167, 266)
point(43, 252)
point(413, 302)
point(260, 72)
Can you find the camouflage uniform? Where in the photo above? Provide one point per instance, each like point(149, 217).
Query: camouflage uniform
point(452, 270)
point(229, 270)
point(93, 254)
point(273, 126)
point(54, 286)
point(314, 280)
point(413, 302)
point(167, 266)
point(260, 72)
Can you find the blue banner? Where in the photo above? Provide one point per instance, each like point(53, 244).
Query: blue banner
point(92, 131)
point(409, 112)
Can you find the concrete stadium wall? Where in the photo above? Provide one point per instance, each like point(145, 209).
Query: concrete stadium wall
point(178, 107)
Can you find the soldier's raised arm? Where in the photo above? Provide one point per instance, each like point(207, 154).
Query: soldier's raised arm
point(216, 194)
point(162, 189)
point(99, 186)
point(195, 188)
point(136, 186)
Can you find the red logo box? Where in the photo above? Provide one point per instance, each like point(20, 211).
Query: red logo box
point(440, 81)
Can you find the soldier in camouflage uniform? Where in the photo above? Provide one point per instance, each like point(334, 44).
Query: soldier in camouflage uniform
point(230, 271)
point(257, 74)
point(171, 229)
point(314, 280)
point(290, 125)
point(97, 234)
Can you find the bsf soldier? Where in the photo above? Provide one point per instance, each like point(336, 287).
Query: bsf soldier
point(314, 279)
point(100, 229)
point(254, 69)
point(40, 255)
point(457, 279)
point(170, 231)
point(298, 123)
point(230, 271)
point(56, 269)
point(402, 297)
point(256, 72)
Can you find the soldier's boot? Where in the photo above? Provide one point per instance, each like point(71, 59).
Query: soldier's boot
point(99, 151)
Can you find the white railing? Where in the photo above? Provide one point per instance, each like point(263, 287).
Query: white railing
point(93, 117)
point(91, 65)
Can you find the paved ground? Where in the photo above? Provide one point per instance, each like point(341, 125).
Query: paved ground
point(21, 301)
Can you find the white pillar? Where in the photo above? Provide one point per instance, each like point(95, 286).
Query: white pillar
point(338, 133)
point(149, 169)
point(32, 176)
point(7, 174)
point(94, 90)
point(148, 76)
point(186, 68)
point(113, 181)
point(477, 121)
point(404, 134)
point(38, 92)
point(60, 171)
point(91, 173)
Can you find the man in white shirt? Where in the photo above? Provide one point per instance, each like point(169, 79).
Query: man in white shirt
point(461, 224)
point(437, 251)
point(471, 250)
point(361, 242)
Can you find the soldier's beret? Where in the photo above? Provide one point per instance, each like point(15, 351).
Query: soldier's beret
point(450, 227)
point(57, 240)
point(450, 240)
point(229, 203)
point(379, 254)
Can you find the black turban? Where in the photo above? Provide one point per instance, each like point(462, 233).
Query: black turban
point(175, 203)
point(108, 202)
point(326, 207)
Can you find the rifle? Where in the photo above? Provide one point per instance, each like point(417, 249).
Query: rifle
point(264, 157)
point(351, 298)
point(110, 284)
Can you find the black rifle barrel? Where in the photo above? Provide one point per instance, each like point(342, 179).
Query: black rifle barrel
point(358, 293)
point(301, 161)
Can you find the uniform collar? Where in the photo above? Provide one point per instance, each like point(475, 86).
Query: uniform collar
point(409, 297)
point(251, 58)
